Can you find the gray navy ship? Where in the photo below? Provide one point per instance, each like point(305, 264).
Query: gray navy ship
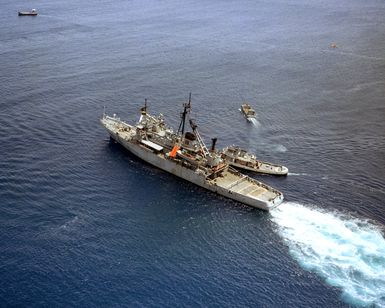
point(184, 154)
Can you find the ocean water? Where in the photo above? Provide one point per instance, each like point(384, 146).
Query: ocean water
point(85, 223)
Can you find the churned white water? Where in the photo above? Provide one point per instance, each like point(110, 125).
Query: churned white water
point(347, 252)
point(297, 174)
point(255, 122)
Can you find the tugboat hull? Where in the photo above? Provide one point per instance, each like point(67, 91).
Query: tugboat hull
point(241, 159)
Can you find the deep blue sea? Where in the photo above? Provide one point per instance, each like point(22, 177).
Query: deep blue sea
point(83, 223)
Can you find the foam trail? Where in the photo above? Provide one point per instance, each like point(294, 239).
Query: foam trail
point(297, 174)
point(280, 148)
point(348, 253)
point(255, 122)
point(274, 147)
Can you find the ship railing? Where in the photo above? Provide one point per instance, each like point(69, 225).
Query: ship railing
point(113, 118)
point(267, 187)
point(234, 171)
point(244, 177)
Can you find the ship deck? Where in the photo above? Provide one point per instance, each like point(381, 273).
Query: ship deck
point(244, 185)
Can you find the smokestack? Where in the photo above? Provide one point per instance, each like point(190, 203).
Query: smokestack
point(214, 141)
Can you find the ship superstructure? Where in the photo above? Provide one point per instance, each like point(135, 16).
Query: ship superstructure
point(185, 155)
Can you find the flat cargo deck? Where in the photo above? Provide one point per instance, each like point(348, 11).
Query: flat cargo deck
point(242, 184)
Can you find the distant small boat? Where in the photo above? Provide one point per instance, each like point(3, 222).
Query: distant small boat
point(33, 12)
point(248, 112)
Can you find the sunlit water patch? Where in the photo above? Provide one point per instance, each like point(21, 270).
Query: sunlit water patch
point(279, 148)
point(271, 147)
point(348, 253)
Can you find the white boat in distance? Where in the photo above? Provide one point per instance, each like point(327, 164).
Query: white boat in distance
point(33, 12)
point(185, 155)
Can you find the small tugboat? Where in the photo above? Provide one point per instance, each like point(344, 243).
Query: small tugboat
point(33, 12)
point(248, 112)
point(184, 154)
point(242, 159)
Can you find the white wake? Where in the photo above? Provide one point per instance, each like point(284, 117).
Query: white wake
point(297, 174)
point(255, 122)
point(348, 253)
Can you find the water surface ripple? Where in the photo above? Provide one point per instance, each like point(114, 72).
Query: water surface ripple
point(84, 223)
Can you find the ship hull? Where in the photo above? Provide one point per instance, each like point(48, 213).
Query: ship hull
point(27, 13)
point(159, 161)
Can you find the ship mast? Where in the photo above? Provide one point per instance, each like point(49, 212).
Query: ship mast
point(144, 109)
point(186, 110)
